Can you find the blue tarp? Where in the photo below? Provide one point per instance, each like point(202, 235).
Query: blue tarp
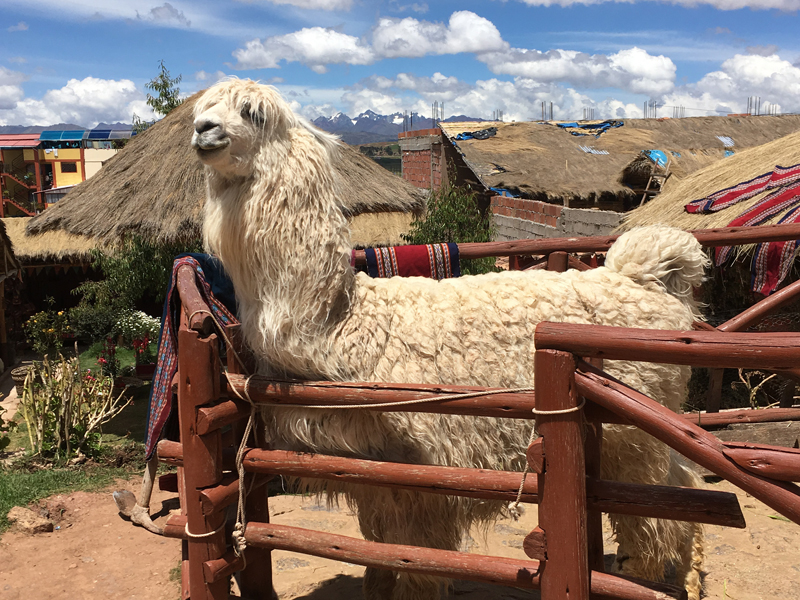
point(504, 192)
point(595, 129)
point(477, 135)
point(657, 156)
point(729, 152)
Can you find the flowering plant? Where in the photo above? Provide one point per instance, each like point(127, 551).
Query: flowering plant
point(46, 330)
point(108, 361)
point(142, 351)
point(134, 324)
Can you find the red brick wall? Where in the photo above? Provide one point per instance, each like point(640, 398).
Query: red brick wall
point(417, 167)
point(420, 165)
point(529, 210)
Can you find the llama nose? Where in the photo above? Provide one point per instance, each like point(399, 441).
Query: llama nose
point(204, 124)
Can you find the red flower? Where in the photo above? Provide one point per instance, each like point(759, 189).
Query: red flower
point(102, 361)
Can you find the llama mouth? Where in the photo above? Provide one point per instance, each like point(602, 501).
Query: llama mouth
point(208, 147)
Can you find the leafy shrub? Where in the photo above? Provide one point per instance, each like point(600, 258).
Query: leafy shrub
point(453, 215)
point(107, 359)
point(46, 330)
point(65, 407)
point(93, 323)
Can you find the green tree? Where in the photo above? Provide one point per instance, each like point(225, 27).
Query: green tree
point(168, 94)
point(453, 215)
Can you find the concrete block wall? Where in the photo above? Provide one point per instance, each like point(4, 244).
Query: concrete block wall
point(517, 218)
point(423, 161)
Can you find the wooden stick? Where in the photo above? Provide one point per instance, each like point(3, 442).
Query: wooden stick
point(744, 415)
point(756, 313)
point(558, 262)
point(299, 393)
point(441, 563)
point(691, 441)
point(562, 485)
point(724, 236)
point(702, 506)
point(770, 461)
point(696, 348)
point(193, 303)
point(222, 568)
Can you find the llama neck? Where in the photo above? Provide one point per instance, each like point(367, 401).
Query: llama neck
point(285, 243)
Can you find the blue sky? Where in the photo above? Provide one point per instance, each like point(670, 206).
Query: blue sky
point(87, 61)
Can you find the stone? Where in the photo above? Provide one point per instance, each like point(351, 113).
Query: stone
point(28, 521)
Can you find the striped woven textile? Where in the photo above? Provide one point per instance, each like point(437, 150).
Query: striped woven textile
point(722, 199)
point(436, 261)
point(773, 260)
point(160, 405)
point(762, 211)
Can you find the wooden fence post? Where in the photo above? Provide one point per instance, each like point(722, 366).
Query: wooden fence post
point(562, 485)
point(255, 580)
point(198, 384)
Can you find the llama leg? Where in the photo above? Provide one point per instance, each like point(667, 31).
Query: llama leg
point(400, 517)
point(689, 567)
point(645, 545)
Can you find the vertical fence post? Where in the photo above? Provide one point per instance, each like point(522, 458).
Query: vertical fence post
point(198, 384)
point(562, 485)
point(255, 580)
point(593, 445)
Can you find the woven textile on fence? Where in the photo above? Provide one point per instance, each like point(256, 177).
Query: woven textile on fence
point(160, 405)
point(436, 261)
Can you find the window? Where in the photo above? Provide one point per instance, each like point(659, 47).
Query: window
point(69, 167)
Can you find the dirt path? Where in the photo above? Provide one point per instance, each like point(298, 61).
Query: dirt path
point(97, 555)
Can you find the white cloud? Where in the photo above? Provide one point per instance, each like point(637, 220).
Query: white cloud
point(10, 88)
point(209, 78)
point(20, 60)
point(21, 26)
point(784, 5)
point(318, 47)
point(775, 80)
point(83, 102)
point(465, 32)
point(167, 14)
point(633, 69)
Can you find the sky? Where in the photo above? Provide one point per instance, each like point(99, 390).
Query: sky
point(87, 61)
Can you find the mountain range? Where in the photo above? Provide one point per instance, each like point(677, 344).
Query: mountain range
point(370, 127)
point(366, 128)
point(60, 127)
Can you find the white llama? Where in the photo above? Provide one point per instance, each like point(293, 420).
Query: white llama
point(273, 217)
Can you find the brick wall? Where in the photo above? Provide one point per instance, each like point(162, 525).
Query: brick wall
point(529, 210)
point(423, 162)
point(516, 218)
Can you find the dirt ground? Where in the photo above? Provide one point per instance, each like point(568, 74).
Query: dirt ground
point(96, 554)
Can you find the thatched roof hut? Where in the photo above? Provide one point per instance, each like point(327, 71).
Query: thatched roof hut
point(668, 207)
point(155, 187)
point(47, 249)
point(541, 161)
point(9, 264)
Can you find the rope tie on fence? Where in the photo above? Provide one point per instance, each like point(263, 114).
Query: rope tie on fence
point(239, 542)
point(199, 536)
point(513, 508)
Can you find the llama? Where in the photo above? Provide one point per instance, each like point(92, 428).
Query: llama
point(274, 219)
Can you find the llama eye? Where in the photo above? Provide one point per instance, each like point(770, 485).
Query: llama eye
point(255, 116)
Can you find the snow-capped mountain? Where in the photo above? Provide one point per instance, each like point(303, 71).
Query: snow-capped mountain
point(369, 127)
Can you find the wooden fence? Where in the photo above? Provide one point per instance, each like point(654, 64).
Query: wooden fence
point(568, 540)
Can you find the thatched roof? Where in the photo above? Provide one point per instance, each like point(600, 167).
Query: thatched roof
point(155, 187)
point(542, 161)
point(53, 246)
point(9, 264)
point(668, 207)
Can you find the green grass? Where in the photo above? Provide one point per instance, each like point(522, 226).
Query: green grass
point(18, 488)
point(88, 357)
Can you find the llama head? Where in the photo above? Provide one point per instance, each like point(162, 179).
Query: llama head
point(236, 120)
